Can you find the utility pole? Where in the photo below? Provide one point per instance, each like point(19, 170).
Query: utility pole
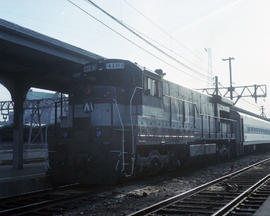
point(216, 85)
point(262, 112)
point(210, 70)
point(216, 106)
point(230, 68)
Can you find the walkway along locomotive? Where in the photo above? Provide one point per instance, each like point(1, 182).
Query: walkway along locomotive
point(124, 120)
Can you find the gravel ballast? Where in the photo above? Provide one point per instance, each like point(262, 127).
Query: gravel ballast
point(137, 194)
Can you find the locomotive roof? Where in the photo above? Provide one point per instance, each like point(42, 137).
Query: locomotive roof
point(140, 68)
point(136, 66)
point(133, 65)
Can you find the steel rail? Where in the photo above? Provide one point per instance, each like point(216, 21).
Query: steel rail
point(34, 193)
point(179, 197)
point(231, 205)
point(70, 190)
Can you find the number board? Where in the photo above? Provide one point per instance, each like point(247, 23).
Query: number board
point(114, 66)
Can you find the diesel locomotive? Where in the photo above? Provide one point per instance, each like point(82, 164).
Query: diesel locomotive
point(124, 120)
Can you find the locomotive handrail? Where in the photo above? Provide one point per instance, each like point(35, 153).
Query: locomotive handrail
point(179, 99)
point(217, 117)
point(123, 131)
point(132, 130)
point(197, 110)
point(186, 101)
point(123, 136)
point(201, 114)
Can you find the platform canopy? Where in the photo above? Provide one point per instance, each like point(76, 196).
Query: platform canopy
point(29, 59)
point(42, 61)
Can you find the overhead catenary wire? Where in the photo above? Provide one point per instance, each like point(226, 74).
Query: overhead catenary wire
point(162, 30)
point(143, 39)
point(165, 47)
point(135, 44)
point(254, 105)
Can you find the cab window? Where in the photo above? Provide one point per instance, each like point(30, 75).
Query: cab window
point(152, 86)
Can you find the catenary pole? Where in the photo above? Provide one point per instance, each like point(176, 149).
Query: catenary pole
point(230, 68)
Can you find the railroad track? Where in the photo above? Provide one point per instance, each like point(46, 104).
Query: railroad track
point(45, 202)
point(239, 193)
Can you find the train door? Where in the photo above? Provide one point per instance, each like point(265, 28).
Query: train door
point(238, 132)
point(242, 138)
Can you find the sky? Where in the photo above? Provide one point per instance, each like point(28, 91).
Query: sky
point(182, 28)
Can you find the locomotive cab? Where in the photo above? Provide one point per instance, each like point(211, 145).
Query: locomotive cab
point(95, 142)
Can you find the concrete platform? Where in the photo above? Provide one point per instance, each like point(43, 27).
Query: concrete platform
point(32, 153)
point(32, 177)
point(29, 155)
point(264, 210)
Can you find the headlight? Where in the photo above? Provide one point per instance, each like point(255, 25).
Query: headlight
point(98, 132)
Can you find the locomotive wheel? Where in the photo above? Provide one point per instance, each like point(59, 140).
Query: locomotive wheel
point(225, 153)
point(155, 166)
